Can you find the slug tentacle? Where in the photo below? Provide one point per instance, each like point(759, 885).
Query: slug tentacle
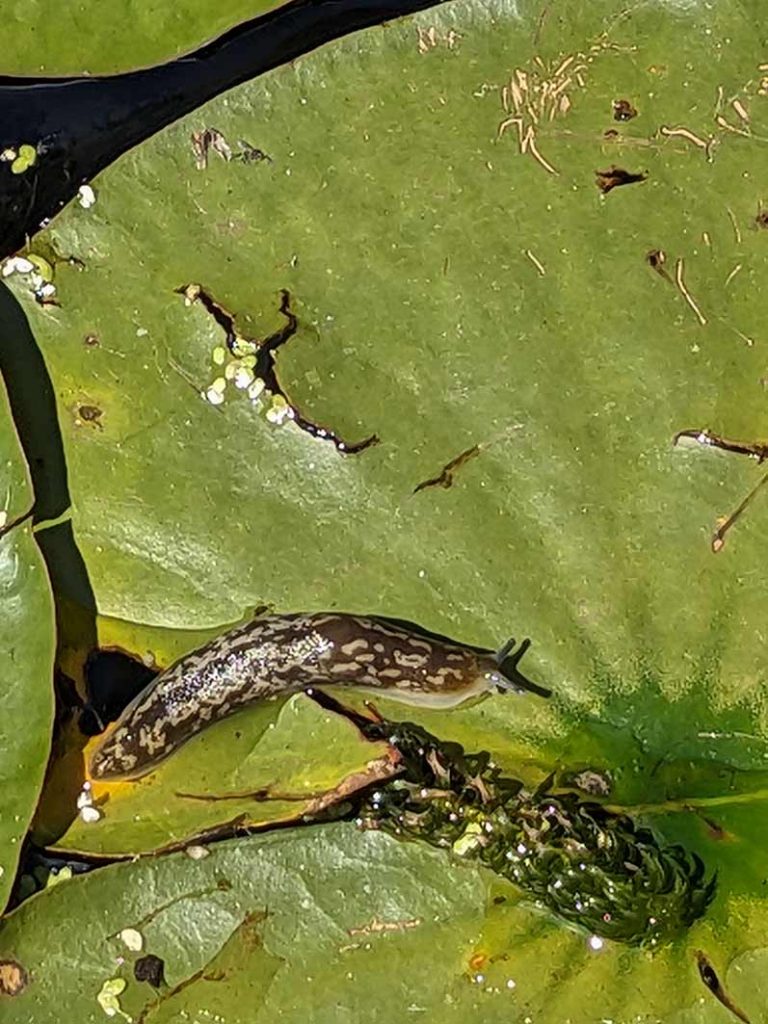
point(511, 678)
point(283, 654)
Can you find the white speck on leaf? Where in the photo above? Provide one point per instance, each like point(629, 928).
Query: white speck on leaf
point(17, 265)
point(86, 196)
point(197, 852)
point(133, 939)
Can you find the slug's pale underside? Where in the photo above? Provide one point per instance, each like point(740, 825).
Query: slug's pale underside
point(283, 654)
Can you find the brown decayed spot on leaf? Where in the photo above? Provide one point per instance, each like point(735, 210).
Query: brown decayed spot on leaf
point(478, 960)
point(89, 413)
point(656, 259)
point(13, 978)
point(150, 968)
point(615, 176)
point(623, 110)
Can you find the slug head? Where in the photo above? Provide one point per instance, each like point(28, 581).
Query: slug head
point(506, 676)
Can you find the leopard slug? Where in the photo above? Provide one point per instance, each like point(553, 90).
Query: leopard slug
point(283, 654)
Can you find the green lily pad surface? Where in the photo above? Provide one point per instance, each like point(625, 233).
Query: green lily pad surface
point(525, 247)
point(107, 36)
point(340, 924)
point(26, 654)
point(271, 780)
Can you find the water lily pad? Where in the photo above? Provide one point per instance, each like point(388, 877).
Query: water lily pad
point(346, 923)
point(26, 654)
point(118, 35)
point(523, 249)
point(249, 772)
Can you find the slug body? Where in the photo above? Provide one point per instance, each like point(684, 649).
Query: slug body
point(284, 654)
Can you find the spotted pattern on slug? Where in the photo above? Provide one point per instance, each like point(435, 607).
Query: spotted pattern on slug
point(283, 654)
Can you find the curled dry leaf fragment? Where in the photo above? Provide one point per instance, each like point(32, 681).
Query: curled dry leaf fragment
point(209, 138)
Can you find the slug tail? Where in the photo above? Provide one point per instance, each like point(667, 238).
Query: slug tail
point(508, 659)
